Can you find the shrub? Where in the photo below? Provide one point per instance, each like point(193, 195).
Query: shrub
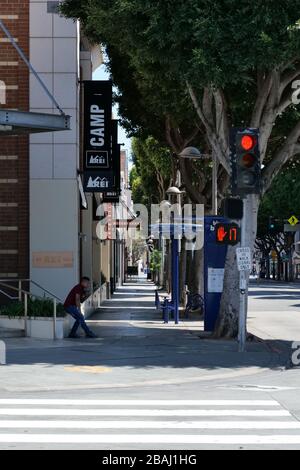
point(36, 308)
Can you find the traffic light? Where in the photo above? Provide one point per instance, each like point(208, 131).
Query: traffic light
point(233, 208)
point(245, 162)
point(228, 234)
point(272, 224)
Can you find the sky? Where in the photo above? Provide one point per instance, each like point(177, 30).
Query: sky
point(102, 74)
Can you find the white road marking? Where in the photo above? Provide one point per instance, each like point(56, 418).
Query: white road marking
point(134, 412)
point(150, 439)
point(62, 402)
point(204, 425)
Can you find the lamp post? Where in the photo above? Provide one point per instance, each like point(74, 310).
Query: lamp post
point(175, 250)
point(192, 153)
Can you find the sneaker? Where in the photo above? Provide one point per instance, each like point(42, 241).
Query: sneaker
point(73, 336)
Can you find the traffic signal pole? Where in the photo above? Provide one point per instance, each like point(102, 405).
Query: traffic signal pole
point(242, 338)
point(245, 181)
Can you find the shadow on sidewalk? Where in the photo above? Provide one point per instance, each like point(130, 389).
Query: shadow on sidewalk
point(132, 336)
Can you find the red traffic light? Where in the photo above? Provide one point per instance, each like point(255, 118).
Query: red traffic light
point(248, 160)
point(248, 142)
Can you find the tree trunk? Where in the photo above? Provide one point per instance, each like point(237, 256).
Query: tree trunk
point(228, 322)
point(197, 284)
point(189, 269)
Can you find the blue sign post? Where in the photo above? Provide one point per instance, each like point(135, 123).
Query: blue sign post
point(214, 268)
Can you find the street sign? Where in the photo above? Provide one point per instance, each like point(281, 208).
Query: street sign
point(244, 259)
point(228, 234)
point(289, 228)
point(293, 221)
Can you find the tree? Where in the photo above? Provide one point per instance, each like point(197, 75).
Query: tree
point(280, 203)
point(153, 168)
point(155, 264)
point(236, 60)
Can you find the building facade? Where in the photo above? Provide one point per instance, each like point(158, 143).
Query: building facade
point(14, 153)
point(46, 235)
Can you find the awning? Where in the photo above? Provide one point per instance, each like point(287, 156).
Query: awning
point(22, 123)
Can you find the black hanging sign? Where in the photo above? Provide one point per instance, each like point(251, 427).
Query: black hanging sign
point(97, 153)
point(116, 155)
point(97, 120)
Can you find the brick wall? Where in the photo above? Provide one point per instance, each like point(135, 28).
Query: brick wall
point(14, 151)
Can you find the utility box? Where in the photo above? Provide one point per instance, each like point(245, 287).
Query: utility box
point(214, 269)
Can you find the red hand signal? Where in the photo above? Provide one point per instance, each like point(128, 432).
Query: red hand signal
point(221, 234)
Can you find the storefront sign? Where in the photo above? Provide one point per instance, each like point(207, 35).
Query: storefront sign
point(51, 259)
point(98, 182)
point(99, 174)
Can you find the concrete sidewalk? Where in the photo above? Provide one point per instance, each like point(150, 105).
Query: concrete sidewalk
point(274, 313)
point(134, 349)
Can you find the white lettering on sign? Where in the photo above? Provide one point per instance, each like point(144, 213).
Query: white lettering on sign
point(98, 182)
point(98, 121)
point(244, 259)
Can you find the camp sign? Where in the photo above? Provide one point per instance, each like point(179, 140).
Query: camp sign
point(98, 168)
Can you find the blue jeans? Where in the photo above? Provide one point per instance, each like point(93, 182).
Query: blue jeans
point(79, 321)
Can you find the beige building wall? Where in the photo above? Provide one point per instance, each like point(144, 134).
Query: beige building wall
point(54, 157)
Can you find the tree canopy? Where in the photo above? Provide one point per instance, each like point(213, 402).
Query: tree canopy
point(189, 70)
point(153, 171)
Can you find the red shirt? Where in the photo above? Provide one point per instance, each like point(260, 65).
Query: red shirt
point(71, 299)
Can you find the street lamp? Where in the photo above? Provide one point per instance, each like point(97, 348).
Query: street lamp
point(192, 153)
point(174, 191)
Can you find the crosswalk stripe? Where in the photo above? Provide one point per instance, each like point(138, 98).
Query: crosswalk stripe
point(201, 425)
point(150, 439)
point(140, 412)
point(187, 429)
point(58, 402)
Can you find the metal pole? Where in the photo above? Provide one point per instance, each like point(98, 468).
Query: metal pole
point(20, 291)
point(175, 278)
point(54, 318)
point(22, 55)
point(243, 296)
point(26, 314)
point(215, 185)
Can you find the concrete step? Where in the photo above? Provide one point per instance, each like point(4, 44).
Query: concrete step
point(11, 333)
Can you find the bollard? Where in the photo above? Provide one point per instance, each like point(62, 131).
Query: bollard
point(2, 353)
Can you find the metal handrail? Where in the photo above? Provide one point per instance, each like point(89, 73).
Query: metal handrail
point(26, 295)
point(20, 281)
point(45, 290)
point(8, 296)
